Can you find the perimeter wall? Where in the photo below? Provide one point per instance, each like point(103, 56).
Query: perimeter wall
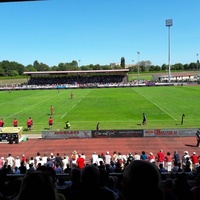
point(65, 134)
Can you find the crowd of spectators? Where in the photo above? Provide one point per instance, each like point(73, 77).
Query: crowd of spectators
point(77, 80)
point(112, 176)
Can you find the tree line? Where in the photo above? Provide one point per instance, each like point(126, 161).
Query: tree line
point(12, 68)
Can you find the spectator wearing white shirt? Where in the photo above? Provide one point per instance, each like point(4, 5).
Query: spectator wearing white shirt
point(65, 162)
point(108, 158)
point(40, 162)
point(136, 156)
point(44, 158)
point(186, 155)
point(17, 162)
point(94, 158)
point(37, 158)
point(99, 159)
point(10, 161)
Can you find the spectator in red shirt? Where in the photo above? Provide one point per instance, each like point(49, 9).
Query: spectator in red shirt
point(195, 161)
point(50, 123)
point(151, 157)
point(15, 122)
point(80, 162)
point(168, 160)
point(1, 122)
point(160, 157)
point(23, 159)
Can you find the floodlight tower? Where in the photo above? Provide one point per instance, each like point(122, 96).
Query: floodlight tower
point(197, 62)
point(169, 23)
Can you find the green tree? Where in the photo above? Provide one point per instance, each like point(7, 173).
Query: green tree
point(192, 66)
point(14, 73)
point(186, 67)
point(106, 67)
point(30, 68)
point(36, 65)
point(1, 71)
point(151, 68)
point(157, 68)
point(74, 65)
point(53, 68)
point(87, 67)
point(18, 67)
point(145, 65)
point(164, 67)
point(122, 64)
point(62, 67)
point(96, 67)
point(178, 66)
point(43, 67)
point(117, 67)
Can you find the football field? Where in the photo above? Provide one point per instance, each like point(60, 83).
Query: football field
point(114, 108)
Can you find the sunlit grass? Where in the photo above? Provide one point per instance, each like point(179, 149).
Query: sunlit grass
point(114, 108)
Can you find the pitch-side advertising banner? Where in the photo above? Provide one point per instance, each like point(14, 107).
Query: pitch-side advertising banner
point(117, 133)
point(66, 134)
point(169, 132)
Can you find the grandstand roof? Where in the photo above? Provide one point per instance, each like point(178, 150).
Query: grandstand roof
point(76, 72)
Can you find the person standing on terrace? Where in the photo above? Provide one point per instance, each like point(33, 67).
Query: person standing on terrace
point(168, 161)
point(160, 157)
point(176, 158)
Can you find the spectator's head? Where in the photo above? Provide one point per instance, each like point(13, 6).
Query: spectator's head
point(140, 176)
point(104, 177)
point(75, 175)
point(90, 176)
point(37, 185)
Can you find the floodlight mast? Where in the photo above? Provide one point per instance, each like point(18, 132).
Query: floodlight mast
point(169, 23)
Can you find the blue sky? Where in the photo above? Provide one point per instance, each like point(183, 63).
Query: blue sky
point(99, 31)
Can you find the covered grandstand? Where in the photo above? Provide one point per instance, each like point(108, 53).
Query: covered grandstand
point(83, 78)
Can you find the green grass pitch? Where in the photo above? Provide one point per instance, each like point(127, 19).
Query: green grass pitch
point(114, 108)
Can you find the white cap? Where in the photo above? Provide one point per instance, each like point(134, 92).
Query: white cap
point(194, 152)
point(107, 152)
point(51, 154)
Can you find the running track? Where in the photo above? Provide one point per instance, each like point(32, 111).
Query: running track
point(99, 145)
